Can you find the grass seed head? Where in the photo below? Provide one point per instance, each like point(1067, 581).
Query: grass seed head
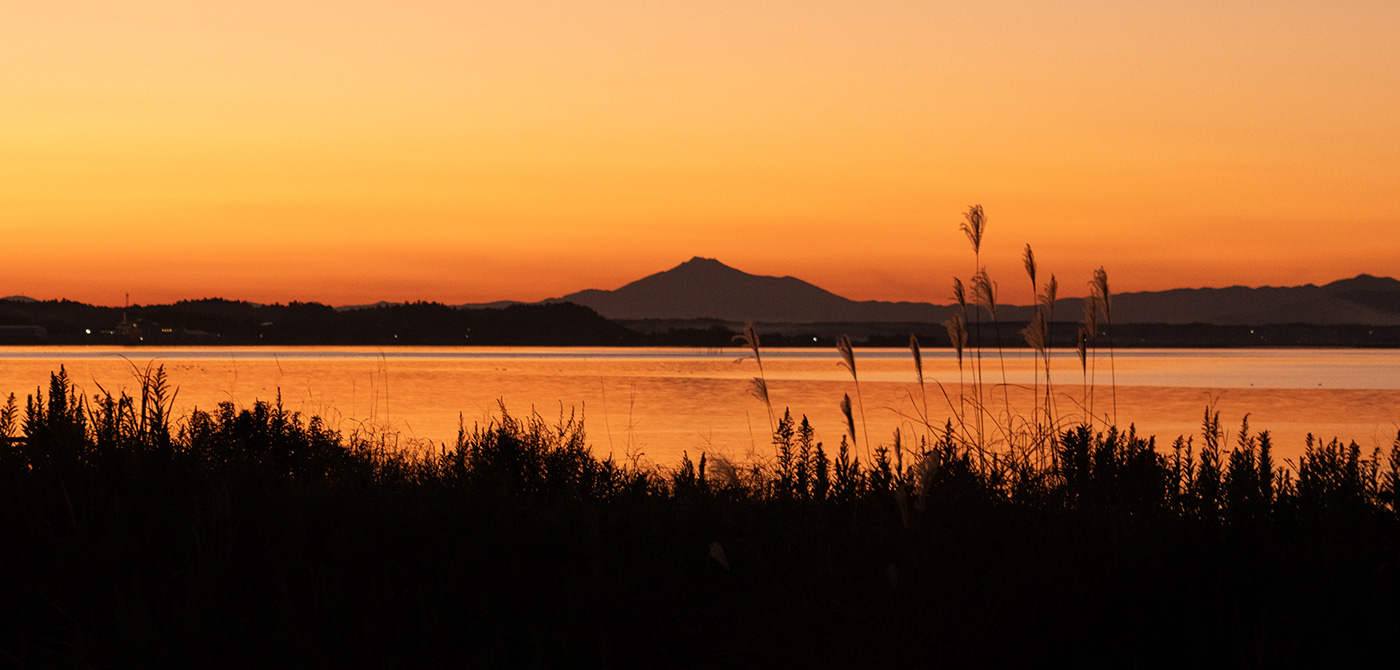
point(759, 388)
point(1035, 332)
point(918, 358)
point(1028, 259)
point(848, 357)
point(973, 225)
point(1047, 299)
point(750, 339)
point(984, 292)
point(957, 334)
point(1100, 289)
point(850, 419)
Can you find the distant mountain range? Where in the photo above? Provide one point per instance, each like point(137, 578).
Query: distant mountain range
point(704, 288)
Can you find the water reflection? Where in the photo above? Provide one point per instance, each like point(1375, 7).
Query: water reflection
point(657, 402)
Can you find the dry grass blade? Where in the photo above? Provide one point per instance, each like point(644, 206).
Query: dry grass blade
point(984, 292)
point(1028, 259)
point(1047, 299)
point(848, 361)
point(1035, 332)
point(959, 294)
point(1100, 289)
point(848, 356)
point(850, 418)
point(918, 357)
point(750, 339)
point(759, 388)
point(973, 225)
point(957, 334)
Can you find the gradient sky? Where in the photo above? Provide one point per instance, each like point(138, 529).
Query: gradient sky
point(354, 151)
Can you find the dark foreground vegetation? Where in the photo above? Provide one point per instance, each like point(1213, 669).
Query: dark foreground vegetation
point(258, 538)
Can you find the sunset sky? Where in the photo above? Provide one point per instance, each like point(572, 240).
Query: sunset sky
point(356, 150)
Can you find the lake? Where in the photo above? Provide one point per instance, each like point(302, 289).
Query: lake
point(653, 404)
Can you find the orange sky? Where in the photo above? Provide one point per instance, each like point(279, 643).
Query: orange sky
point(355, 151)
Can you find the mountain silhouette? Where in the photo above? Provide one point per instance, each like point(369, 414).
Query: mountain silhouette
point(704, 288)
point(1363, 299)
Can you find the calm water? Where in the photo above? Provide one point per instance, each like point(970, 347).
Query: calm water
point(656, 403)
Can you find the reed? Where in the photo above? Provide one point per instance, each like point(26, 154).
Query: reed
point(958, 334)
point(1046, 305)
point(850, 419)
point(1087, 334)
point(1034, 334)
point(848, 361)
point(758, 386)
point(984, 292)
point(1099, 288)
point(974, 225)
point(923, 391)
point(1037, 338)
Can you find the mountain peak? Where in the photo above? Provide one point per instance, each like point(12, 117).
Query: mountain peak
point(1365, 282)
point(706, 288)
point(700, 264)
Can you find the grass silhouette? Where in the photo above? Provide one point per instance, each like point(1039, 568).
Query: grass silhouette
point(258, 536)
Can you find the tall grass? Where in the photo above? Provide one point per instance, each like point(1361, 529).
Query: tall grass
point(1099, 289)
point(848, 361)
point(257, 536)
point(758, 385)
point(974, 226)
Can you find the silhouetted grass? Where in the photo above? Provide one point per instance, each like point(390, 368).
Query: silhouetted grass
point(258, 537)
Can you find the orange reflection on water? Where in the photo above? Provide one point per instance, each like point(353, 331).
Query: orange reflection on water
point(657, 403)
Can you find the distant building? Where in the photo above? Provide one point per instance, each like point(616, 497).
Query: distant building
point(129, 330)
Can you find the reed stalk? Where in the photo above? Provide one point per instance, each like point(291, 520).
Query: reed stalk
point(959, 343)
point(848, 361)
point(974, 225)
point(984, 291)
point(1047, 303)
point(1028, 262)
point(758, 386)
point(1100, 290)
point(1034, 334)
point(1086, 353)
point(919, 373)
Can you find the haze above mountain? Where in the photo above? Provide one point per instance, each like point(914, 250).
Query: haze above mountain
point(706, 288)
